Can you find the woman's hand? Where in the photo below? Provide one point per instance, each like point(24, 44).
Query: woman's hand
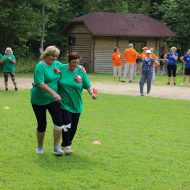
point(93, 92)
point(94, 95)
point(57, 97)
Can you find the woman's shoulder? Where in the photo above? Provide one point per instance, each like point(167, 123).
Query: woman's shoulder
point(12, 56)
point(40, 64)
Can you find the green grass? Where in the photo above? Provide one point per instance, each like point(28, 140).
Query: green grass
point(145, 146)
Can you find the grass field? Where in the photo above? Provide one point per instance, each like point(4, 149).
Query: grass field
point(145, 146)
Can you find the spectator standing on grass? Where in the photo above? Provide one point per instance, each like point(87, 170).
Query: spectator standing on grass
point(130, 63)
point(71, 85)
point(146, 69)
point(117, 63)
point(8, 62)
point(171, 59)
point(186, 60)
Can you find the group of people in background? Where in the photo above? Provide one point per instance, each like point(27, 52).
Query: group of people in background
point(149, 62)
point(8, 62)
point(131, 56)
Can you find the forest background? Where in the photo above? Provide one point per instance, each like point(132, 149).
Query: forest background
point(26, 26)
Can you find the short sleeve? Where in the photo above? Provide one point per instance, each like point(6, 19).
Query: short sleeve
point(38, 74)
point(13, 57)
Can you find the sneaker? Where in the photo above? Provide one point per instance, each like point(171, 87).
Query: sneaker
point(174, 83)
point(122, 80)
point(141, 94)
point(6, 89)
point(39, 150)
point(130, 81)
point(16, 88)
point(58, 151)
point(148, 94)
point(168, 83)
point(67, 150)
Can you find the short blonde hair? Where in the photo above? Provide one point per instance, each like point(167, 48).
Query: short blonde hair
point(8, 48)
point(50, 51)
point(188, 51)
point(173, 48)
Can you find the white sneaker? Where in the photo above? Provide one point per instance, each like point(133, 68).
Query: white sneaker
point(39, 150)
point(58, 151)
point(148, 94)
point(67, 150)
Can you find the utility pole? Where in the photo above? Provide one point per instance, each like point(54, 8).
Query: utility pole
point(42, 31)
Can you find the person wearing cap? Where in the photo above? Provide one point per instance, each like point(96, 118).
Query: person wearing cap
point(71, 84)
point(146, 69)
point(130, 63)
point(117, 63)
point(171, 59)
point(154, 65)
point(8, 62)
point(143, 54)
point(186, 60)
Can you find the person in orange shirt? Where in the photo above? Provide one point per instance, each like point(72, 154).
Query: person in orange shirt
point(117, 63)
point(143, 54)
point(154, 65)
point(130, 63)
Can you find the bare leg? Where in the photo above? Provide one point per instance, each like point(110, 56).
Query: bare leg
point(6, 85)
point(169, 80)
point(40, 138)
point(174, 80)
point(57, 136)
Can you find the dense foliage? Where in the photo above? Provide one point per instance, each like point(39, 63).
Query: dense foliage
point(25, 25)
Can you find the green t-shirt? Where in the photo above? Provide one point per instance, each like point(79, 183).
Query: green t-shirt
point(70, 90)
point(45, 74)
point(8, 65)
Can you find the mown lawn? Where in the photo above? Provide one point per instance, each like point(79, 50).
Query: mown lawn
point(145, 146)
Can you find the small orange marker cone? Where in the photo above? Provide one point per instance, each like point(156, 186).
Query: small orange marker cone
point(96, 142)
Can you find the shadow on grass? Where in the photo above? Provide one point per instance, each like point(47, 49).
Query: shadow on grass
point(63, 163)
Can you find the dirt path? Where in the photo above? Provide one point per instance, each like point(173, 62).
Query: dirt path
point(171, 92)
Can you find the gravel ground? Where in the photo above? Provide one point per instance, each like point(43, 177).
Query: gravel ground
point(171, 92)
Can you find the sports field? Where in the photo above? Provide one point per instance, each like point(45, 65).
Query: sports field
point(145, 145)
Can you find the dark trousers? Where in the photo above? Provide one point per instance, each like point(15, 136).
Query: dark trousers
point(40, 113)
point(6, 76)
point(145, 77)
point(171, 70)
point(67, 118)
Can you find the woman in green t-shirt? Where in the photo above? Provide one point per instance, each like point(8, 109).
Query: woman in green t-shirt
point(44, 97)
point(71, 84)
point(8, 62)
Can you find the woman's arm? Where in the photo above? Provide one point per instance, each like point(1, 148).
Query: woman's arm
point(92, 93)
point(166, 57)
point(45, 87)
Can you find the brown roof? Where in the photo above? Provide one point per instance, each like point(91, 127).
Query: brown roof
point(123, 24)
